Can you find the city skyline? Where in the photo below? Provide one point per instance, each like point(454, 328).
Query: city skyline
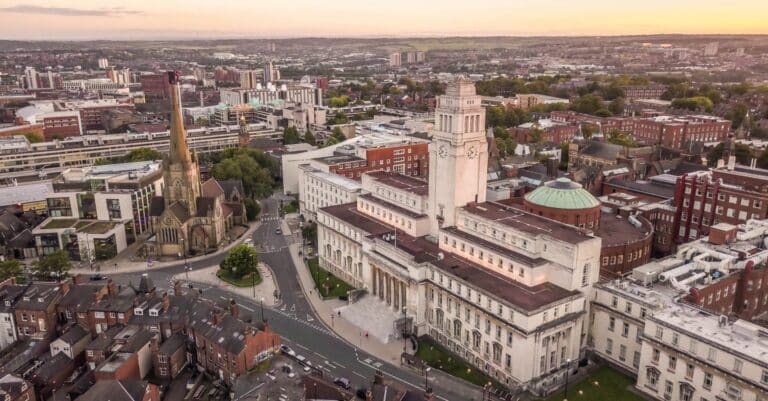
point(142, 19)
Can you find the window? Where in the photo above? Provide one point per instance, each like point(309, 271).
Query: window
point(656, 356)
point(672, 363)
point(622, 352)
point(659, 332)
point(636, 359)
point(764, 378)
point(689, 371)
point(611, 323)
point(668, 390)
point(686, 392)
point(614, 302)
point(609, 346)
point(707, 384)
point(653, 378)
point(737, 363)
point(712, 355)
point(625, 330)
point(675, 338)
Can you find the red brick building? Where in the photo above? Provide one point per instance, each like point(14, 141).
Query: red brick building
point(551, 132)
point(670, 131)
point(653, 91)
point(92, 114)
point(155, 86)
point(35, 312)
point(61, 124)
point(14, 388)
point(732, 195)
point(411, 159)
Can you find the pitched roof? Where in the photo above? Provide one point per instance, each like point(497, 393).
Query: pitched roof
point(205, 206)
point(180, 211)
point(80, 297)
point(211, 189)
point(74, 334)
point(230, 186)
point(115, 390)
point(602, 150)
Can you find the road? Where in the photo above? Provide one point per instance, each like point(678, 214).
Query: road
point(294, 319)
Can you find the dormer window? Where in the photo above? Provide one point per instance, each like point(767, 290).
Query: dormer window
point(153, 312)
point(138, 312)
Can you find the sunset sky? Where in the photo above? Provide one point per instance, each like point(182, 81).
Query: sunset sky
point(147, 19)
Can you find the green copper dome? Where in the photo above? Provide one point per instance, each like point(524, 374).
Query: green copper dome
point(562, 193)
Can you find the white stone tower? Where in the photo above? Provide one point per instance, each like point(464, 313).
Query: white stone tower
point(458, 154)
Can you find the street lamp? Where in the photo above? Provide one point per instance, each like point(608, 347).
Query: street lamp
point(261, 304)
point(405, 329)
point(253, 276)
point(567, 373)
point(184, 249)
point(426, 378)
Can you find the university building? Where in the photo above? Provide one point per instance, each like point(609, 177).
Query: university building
point(505, 289)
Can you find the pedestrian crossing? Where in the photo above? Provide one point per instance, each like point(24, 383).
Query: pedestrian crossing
point(269, 218)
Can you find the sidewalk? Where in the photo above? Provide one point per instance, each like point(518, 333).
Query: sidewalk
point(264, 290)
point(344, 329)
point(126, 265)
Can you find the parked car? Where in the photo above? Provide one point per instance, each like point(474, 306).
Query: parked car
point(342, 382)
point(98, 277)
point(278, 232)
point(287, 350)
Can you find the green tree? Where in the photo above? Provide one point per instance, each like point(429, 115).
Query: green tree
point(588, 104)
point(33, 137)
point(564, 156)
point(257, 180)
point(695, 103)
point(339, 118)
point(240, 261)
point(252, 209)
point(10, 268)
point(309, 137)
point(202, 121)
point(56, 265)
point(338, 134)
point(618, 137)
point(737, 115)
point(743, 154)
point(617, 106)
point(290, 135)
point(338, 101)
point(535, 135)
point(762, 161)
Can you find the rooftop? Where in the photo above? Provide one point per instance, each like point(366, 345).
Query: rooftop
point(562, 193)
point(112, 172)
point(335, 179)
point(528, 223)
point(401, 181)
point(11, 195)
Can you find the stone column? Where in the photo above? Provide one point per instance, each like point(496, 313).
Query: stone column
point(395, 294)
point(374, 287)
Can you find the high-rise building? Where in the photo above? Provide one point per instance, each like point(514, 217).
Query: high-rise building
point(103, 62)
point(395, 59)
point(31, 78)
point(710, 49)
point(271, 74)
point(249, 79)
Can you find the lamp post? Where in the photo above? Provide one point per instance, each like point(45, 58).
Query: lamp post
point(405, 330)
point(567, 373)
point(426, 378)
point(261, 304)
point(184, 250)
point(253, 278)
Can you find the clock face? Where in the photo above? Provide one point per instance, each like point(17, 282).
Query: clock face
point(472, 152)
point(442, 151)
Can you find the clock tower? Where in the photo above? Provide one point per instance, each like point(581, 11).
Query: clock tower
point(458, 154)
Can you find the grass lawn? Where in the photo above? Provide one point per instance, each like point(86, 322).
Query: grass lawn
point(330, 286)
point(245, 281)
point(611, 385)
point(438, 357)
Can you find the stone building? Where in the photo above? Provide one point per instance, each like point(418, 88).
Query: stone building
point(190, 217)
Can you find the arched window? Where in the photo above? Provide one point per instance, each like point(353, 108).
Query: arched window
point(496, 353)
point(457, 328)
point(439, 318)
point(476, 337)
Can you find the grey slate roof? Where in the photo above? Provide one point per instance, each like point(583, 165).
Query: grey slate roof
point(115, 390)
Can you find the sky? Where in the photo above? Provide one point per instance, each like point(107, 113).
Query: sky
point(164, 19)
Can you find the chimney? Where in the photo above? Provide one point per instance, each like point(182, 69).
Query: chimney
point(154, 344)
point(98, 295)
point(166, 302)
point(233, 308)
point(112, 288)
point(378, 377)
point(177, 288)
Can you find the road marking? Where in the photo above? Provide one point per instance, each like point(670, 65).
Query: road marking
point(355, 373)
point(246, 308)
point(309, 318)
point(320, 355)
point(301, 346)
point(339, 365)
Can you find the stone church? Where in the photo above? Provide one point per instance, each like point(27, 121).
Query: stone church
point(190, 217)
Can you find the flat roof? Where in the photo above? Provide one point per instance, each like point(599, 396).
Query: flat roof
point(335, 179)
point(26, 193)
point(528, 223)
point(401, 181)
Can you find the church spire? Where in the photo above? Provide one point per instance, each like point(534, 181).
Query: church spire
point(179, 150)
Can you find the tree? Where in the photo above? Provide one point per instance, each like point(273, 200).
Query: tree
point(33, 137)
point(338, 101)
point(309, 137)
point(617, 106)
point(535, 135)
point(618, 137)
point(564, 156)
point(695, 103)
point(290, 135)
point(737, 115)
point(252, 209)
point(339, 118)
point(743, 154)
point(257, 180)
point(136, 155)
point(10, 268)
point(588, 104)
point(762, 161)
point(338, 134)
point(202, 121)
point(241, 260)
point(56, 264)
